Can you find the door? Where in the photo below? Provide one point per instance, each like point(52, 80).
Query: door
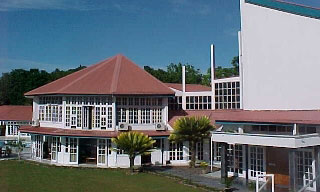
point(54, 149)
point(235, 160)
point(306, 168)
point(102, 155)
point(256, 161)
point(73, 151)
point(277, 164)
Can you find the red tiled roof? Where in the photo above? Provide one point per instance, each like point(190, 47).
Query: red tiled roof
point(299, 117)
point(15, 113)
point(83, 133)
point(189, 87)
point(116, 75)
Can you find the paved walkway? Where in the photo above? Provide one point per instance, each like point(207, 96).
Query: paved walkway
point(211, 180)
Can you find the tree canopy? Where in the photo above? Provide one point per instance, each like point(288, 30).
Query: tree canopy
point(134, 144)
point(173, 72)
point(19, 81)
point(193, 130)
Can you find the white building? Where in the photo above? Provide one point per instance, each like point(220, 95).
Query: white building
point(277, 129)
point(268, 118)
point(11, 118)
point(75, 117)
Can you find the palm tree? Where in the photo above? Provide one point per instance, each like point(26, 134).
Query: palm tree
point(193, 130)
point(134, 144)
point(19, 146)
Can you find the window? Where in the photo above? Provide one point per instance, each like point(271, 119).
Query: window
point(198, 102)
point(175, 103)
point(217, 151)
point(97, 117)
point(122, 116)
point(200, 150)
point(79, 116)
point(175, 151)
point(157, 116)
point(305, 168)
point(103, 122)
point(145, 116)
point(41, 113)
point(305, 129)
point(235, 159)
point(109, 117)
point(138, 110)
point(73, 149)
point(67, 145)
point(67, 116)
point(227, 95)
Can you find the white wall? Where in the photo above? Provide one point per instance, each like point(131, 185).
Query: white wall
point(280, 59)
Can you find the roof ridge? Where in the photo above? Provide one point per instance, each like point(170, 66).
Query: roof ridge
point(116, 73)
point(163, 84)
point(93, 69)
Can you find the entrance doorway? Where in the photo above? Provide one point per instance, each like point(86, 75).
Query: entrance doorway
point(87, 151)
point(277, 164)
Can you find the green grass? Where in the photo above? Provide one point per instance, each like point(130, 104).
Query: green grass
point(27, 176)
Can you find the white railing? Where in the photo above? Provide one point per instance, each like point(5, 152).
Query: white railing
point(258, 188)
point(309, 184)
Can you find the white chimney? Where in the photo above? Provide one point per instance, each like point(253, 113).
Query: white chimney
point(212, 61)
point(183, 78)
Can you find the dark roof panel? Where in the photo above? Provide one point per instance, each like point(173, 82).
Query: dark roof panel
point(288, 7)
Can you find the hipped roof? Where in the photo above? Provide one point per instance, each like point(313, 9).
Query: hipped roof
point(115, 76)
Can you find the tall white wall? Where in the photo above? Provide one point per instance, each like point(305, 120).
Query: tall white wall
point(280, 59)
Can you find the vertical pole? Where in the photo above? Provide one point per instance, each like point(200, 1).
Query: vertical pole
point(292, 169)
point(212, 66)
point(224, 161)
point(246, 152)
point(272, 177)
point(295, 130)
point(211, 149)
point(317, 167)
point(183, 78)
point(257, 183)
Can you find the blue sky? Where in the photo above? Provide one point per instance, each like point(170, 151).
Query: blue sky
point(67, 33)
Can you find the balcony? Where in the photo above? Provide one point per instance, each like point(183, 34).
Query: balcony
point(270, 140)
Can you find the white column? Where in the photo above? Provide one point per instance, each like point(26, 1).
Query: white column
point(295, 129)
point(212, 62)
point(183, 78)
point(165, 113)
point(35, 113)
point(114, 112)
point(240, 68)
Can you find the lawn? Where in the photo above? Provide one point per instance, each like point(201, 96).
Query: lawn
point(28, 176)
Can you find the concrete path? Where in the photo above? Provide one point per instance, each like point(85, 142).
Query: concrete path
point(211, 180)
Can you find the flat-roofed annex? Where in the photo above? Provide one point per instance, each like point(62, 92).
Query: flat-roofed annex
point(114, 76)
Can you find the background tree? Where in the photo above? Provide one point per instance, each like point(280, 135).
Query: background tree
point(14, 84)
point(134, 144)
point(193, 130)
point(194, 76)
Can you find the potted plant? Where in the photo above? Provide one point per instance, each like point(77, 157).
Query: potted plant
point(204, 166)
point(8, 151)
point(228, 183)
